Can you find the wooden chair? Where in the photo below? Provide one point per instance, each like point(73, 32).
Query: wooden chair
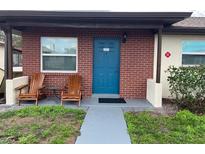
point(34, 89)
point(72, 91)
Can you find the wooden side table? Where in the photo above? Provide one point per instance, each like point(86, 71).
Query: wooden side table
point(54, 91)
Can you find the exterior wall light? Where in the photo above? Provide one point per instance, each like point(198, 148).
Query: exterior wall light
point(124, 37)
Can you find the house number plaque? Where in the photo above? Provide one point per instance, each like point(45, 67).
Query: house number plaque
point(106, 49)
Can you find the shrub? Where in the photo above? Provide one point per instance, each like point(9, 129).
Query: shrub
point(187, 86)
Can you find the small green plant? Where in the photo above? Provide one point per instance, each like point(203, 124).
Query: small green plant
point(187, 86)
point(58, 140)
point(12, 132)
point(8, 114)
point(28, 139)
point(46, 133)
point(183, 128)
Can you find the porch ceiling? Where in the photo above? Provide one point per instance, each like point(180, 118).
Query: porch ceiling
point(125, 20)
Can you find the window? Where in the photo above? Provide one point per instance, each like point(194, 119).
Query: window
point(193, 52)
point(58, 54)
point(17, 58)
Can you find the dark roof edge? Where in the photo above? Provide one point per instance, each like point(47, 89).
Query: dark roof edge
point(15, 13)
point(184, 30)
point(183, 27)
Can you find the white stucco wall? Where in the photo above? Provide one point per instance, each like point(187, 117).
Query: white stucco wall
point(2, 65)
point(11, 85)
point(172, 43)
point(154, 93)
point(1, 56)
point(16, 70)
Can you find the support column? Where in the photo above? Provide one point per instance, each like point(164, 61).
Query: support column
point(8, 53)
point(159, 51)
point(154, 87)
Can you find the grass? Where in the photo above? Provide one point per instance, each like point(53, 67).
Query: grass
point(44, 124)
point(183, 128)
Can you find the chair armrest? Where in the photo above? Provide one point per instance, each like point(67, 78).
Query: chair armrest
point(62, 92)
point(42, 87)
point(21, 87)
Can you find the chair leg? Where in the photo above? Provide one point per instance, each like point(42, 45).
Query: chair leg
point(79, 103)
point(61, 102)
point(36, 102)
point(19, 103)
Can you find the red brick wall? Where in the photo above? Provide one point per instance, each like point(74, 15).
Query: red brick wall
point(136, 64)
point(136, 58)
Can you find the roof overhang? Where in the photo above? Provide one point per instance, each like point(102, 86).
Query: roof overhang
point(118, 20)
point(184, 30)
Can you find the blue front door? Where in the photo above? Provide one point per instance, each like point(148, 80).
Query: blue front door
point(106, 68)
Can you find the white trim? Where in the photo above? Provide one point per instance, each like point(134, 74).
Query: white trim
point(17, 69)
point(190, 65)
point(59, 55)
point(58, 71)
point(193, 53)
point(63, 55)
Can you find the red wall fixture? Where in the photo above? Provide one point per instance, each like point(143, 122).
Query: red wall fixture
point(167, 54)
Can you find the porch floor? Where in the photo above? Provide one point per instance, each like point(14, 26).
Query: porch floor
point(139, 104)
point(131, 105)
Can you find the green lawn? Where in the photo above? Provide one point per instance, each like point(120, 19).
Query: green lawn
point(45, 124)
point(185, 127)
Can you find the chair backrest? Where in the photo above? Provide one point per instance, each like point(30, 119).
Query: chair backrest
point(36, 82)
point(74, 84)
point(1, 76)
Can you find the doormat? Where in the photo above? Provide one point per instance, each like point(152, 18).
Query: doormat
point(111, 100)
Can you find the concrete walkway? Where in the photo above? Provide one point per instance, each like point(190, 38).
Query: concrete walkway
point(104, 125)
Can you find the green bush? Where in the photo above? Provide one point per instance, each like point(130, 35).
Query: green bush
point(187, 86)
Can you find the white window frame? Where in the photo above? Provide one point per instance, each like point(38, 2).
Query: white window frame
point(60, 55)
point(192, 53)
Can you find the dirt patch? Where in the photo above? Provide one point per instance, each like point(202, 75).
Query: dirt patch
point(169, 106)
point(36, 126)
point(18, 120)
point(71, 140)
point(54, 127)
